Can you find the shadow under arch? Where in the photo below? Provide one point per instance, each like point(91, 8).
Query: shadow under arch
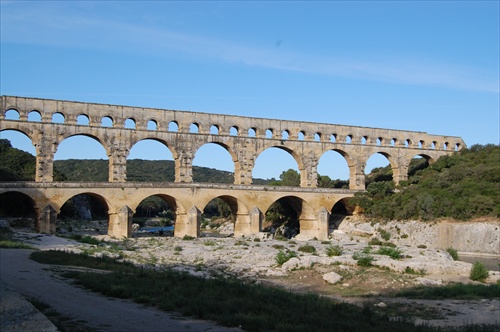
point(283, 217)
point(19, 209)
point(87, 210)
point(339, 212)
point(220, 210)
point(155, 213)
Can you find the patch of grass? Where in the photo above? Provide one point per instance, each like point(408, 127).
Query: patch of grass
point(335, 250)
point(375, 242)
point(278, 246)
point(410, 270)
point(210, 243)
point(229, 302)
point(85, 239)
point(280, 238)
point(7, 241)
point(394, 253)
point(188, 237)
point(284, 256)
point(384, 234)
point(178, 248)
point(453, 252)
point(457, 291)
point(364, 259)
point(307, 248)
point(478, 272)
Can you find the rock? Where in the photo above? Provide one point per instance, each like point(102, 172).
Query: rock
point(428, 282)
point(332, 278)
point(4, 224)
point(381, 305)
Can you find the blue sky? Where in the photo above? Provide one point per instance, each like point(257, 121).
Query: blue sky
point(428, 66)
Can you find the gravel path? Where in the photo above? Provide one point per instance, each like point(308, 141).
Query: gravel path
point(34, 280)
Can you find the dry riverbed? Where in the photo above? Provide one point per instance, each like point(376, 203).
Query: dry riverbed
point(256, 259)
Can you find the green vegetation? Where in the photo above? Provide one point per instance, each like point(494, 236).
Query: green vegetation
point(457, 291)
point(394, 253)
point(453, 253)
point(478, 272)
point(335, 250)
point(363, 258)
point(284, 256)
point(6, 241)
point(229, 302)
point(307, 248)
point(462, 186)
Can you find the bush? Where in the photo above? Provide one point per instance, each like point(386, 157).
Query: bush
point(391, 252)
point(283, 257)
point(375, 242)
point(187, 237)
point(478, 272)
point(307, 248)
point(384, 234)
point(334, 251)
point(363, 258)
point(453, 252)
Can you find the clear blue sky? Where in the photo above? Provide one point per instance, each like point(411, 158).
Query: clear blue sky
point(414, 65)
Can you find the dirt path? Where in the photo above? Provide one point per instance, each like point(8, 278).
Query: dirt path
point(100, 313)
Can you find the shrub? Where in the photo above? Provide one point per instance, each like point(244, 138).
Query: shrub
point(307, 248)
point(375, 242)
point(178, 248)
point(334, 250)
point(453, 252)
point(363, 258)
point(384, 234)
point(187, 237)
point(389, 251)
point(478, 272)
point(404, 236)
point(283, 257)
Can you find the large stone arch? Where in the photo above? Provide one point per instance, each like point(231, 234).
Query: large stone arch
point(234, 156)
point(297, 157)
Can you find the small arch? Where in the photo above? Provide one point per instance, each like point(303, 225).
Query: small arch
point(379, 141)
point(214, 129)
point(269, 133)
point(173, 126)
point(285, 134)
point(317, 137)
point(83, 120)
point(252, 132)
point(393, 142)
point(234, 131)
point(58, 117)
point(12, 114)
point(301, 135)
point(107, 121)
point(421, 144)
point(433, 145)
point(34, 116)
point(445, 145)
point(283, 215)
point(194, 128)
point(407, 143)
point(348, 139)
point(457, 147)
point(130, 123)
point(161, 207)
point(96, 208)
point(364, 139)
point(333, 138)
point(152, 125)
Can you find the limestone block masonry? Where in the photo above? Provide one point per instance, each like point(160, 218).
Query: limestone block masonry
point(118, 128)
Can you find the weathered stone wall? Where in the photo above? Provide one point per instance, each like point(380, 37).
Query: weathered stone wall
point(473, 237)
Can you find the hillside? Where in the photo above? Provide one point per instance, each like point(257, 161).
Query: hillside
point(463, 187)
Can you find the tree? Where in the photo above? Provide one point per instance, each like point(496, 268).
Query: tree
point(290, 178)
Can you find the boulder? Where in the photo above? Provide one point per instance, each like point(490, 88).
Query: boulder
point(332, 278)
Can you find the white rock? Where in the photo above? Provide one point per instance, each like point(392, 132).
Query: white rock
point(428, 282)
point(332, 277)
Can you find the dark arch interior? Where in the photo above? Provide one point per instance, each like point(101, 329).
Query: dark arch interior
point(89, 211)
point(155, 215)
point(218, 211)
point(282, 217)
point(18, 209)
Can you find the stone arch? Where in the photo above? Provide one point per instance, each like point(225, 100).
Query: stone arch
point(215, 129)
point(173, 126)
point(101, 141)
point(152, 124)
point(58, 117)
point(173, 204)
point(24, 133)
point(269, 133)
point(339, 211)
point(234, 157)
point(195, 128)
point(83, 120)
point(107, 121)
point(349, 162)
point(85, 205)
point(16, 204)
point(12, 113)
point(130, 123)
point(295, 156)
point(35, 116)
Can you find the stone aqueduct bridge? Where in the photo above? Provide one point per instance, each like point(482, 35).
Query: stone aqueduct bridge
point(243, 137)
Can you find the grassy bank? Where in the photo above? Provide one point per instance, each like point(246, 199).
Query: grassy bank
point(229, 302)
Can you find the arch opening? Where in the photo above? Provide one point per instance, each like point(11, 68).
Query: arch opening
point(17, 156)
point(58, 117)
point(378, 168)
point(333, 170)
point(107, 121)
point(219, 216)
point(340, 210)
point(18, 209)
point(81, 158)
point(266, 167)
point(83, 214)
point(12, 114)
point(83, 120)
point(173, 126)
point(155, 215)
point(130, 123)
point(150, 154)
point(152, 125)
point(34, 116)
point(213, 162)
point(282, 217)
